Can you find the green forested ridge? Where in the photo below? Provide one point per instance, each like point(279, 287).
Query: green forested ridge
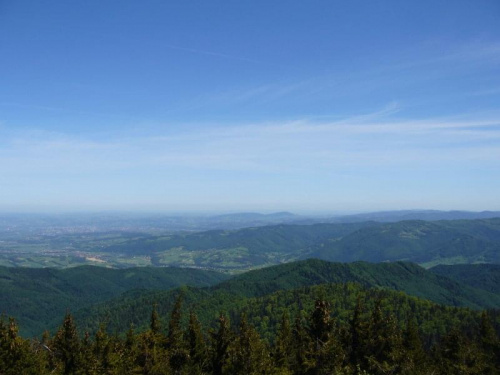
point(461, 241)
point(239, 249)
point(36, 296)
point(483, 276)
point(208, 302)
point(307, 317)
point(427, 243)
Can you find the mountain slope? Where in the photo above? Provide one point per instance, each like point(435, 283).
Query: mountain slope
point(482, 276)
point(403, 215)
point(419, 241)
point(236, 250)
point(35, 296)
point(426, 243)
point(134, 307)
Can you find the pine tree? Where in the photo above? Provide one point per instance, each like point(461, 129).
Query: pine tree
point(155, 324)
point(283, 347)
point(16, 354)
point(384, 344)
point(66, 346)
point(177, 348)
point(357, 337)
point(220, 343)
point(414, 359)
point(456, 354)
point(103, 351)
point(88, 361)
point(149, 351)
point(248, 354)
point(327, 352)
point(301, 345)
point(320, 326)
point(490, 345)
point(130, 352)
point(198, 351)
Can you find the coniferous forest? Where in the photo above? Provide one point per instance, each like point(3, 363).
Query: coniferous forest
point(308, 317)
point(368, 340)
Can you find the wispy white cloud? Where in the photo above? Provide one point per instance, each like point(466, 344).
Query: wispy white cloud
point(364, 141)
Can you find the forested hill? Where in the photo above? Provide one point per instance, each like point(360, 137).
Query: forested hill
point(234, 294)
point(483, 276)
point(35, 296)
point(426, 243)
point(403, 276)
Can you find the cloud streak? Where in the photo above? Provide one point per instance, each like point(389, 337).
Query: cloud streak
point(365, 141)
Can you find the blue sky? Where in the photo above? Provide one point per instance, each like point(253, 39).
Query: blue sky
point(249, 105)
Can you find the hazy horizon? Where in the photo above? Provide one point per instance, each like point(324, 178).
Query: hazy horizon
point(207, 106)
point(201, 213)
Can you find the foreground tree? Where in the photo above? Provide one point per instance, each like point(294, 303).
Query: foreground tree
point(220, 344)
point(66, 346)
point(17, 356)
point(327, 353)
point(248, 355)
point(177, 348)
point(283, 347)
point(198, 350)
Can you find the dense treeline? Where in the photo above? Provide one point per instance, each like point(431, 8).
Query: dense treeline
point(36, 297)
point(482, 276)
point(264, 294)
point(369, 341)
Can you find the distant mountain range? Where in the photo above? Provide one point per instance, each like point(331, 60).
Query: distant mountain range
point(428, 215)
point(424, 242)
point(167, 222)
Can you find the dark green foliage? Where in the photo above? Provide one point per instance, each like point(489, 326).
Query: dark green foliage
point(457, 354)
point(283, 354)
point(232, 295)
point(66, 346)
point(406, 277)
point(462, 241)
point(370, 340)
point(17, 355)
point(490, 344)
point(247, 354)
point(177, 347)
point(199, 361)
point(414, 360)
point(384, 349)
point(38, 297)
point(481, 276)
point(220, 341)
point(154, 323)
point(327, 352)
